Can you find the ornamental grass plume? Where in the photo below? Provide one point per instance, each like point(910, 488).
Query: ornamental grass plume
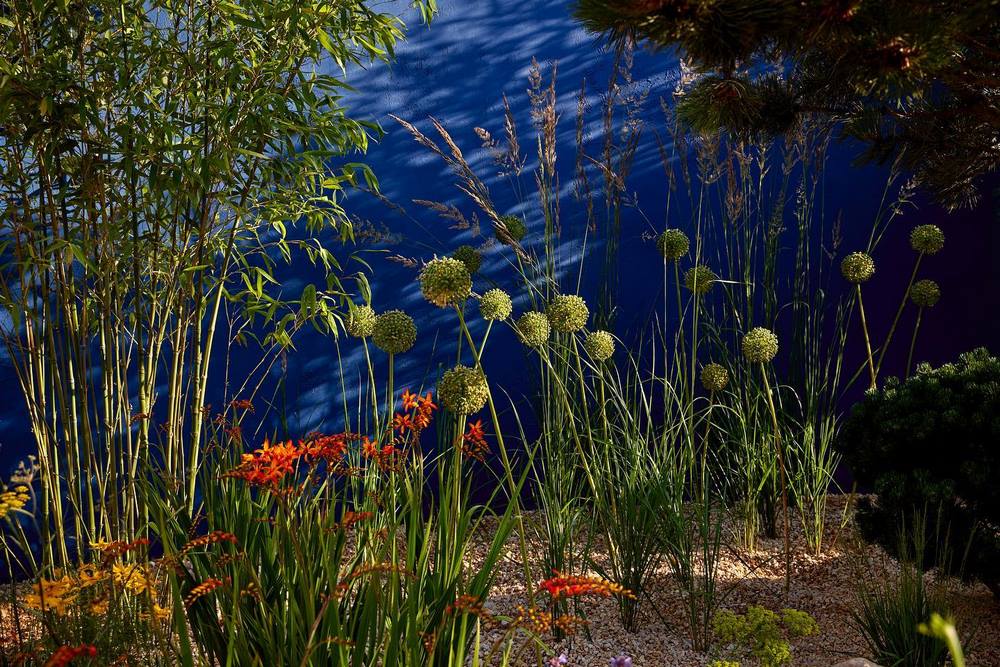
point(495, 305)
point(600, 345)
point(445, 281)
point(463, 390)
point(925, 293)
point(513, 229)
point(360, 322)
point(567, 313)
point(533, 328)
point(699, 279)
point(469, 256)
point(714, 377)
point(857, 268)
point(673, 244)
point(394, 332)
point(927, 239)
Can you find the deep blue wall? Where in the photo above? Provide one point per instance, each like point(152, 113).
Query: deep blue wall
point(456, 70)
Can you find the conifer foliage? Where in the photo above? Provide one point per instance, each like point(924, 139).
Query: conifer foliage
point(914, 80)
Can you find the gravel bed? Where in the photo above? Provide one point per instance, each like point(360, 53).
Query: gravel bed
point(822, 585)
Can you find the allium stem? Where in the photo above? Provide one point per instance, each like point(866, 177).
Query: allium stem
point(868, 343)
point(913, 341)
point(784, 486)
point(899, 312)
point(508, 470)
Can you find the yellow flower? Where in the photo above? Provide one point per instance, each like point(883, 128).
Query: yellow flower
point(90, 575)
point(134, 578)
point(51, 596)
point(99, 607)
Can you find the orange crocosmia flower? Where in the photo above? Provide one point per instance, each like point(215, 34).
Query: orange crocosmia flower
point(65, 655)
point(369, 448)
point(427, 403)
point(402, 422)
point(329, 448)
point(409, 400)
point(567, 586)
point(269, 465)
point(475, 431)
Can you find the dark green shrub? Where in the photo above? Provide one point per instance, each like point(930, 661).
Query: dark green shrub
point(929, 443)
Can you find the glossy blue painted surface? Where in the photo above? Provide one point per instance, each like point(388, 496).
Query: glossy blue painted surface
point(457, 71)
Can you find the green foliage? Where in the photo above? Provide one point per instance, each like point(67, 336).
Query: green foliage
point(889, 609)
point(158, 160)
point(906, 78)
point(929, 442)
point(761, 634)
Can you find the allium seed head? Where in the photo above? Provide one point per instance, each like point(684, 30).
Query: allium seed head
point(925, 293)
point(714, 377)
point(699, 279)
point(495, 305)
point(469, 256)
point(760, 345)
point(515, 228)
point(533, 328)
point(567, 313)
point(394, 332)
point(445, 281)
point(463, 390)
point(360, 322)
point(928, 239)
point(673, 244)
point(600, 345)
point(857, 268)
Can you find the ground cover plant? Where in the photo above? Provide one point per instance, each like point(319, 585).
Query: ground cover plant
point(164, 162)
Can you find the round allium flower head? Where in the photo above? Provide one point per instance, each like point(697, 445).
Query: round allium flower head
point(469, 256)
point(360, 322)
point(515, 228)
point(445, 281)
point(394, 332)
point(760, 345)
point(928, 239)
point(925, 293)
point(533, 328)
point(495, 305)
point(463, 390)
point(857, 267)
point(567, 313)
point(714, 377)
point(699, 279)
point(673, 244)
point(600, 345)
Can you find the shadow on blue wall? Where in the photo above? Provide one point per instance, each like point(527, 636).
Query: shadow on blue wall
point(456, 71)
